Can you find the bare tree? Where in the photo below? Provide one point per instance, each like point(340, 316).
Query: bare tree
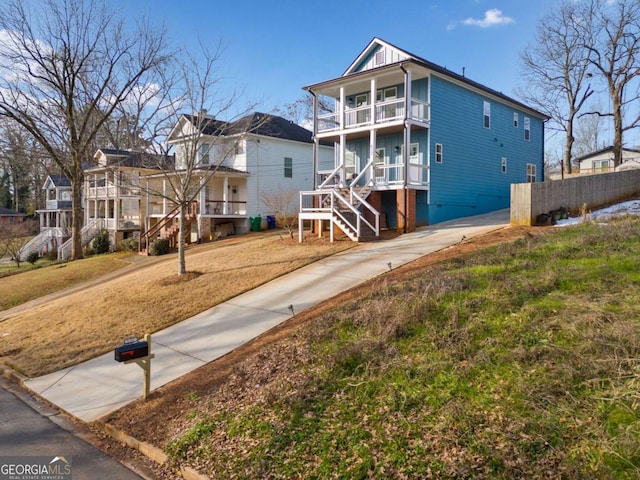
point(13, 237)
point(21, 161)
point(279, 203)
point(65, 68)
point(202, 141)
point(556, 68)
point(612, 36)
point(589, 135)
point(301, 110)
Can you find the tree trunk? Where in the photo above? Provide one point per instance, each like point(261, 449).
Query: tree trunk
point(568, 147)
point(182, 267)
point(617, 130)
point(76, 212)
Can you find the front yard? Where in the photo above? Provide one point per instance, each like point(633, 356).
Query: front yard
point(92, 321)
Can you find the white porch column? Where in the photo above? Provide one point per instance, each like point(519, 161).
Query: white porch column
point(202, 208)
point(373, 97)
point(225, 196)
point(341, 152)
point(164, 196)
point(372, 154)
point(342, 107)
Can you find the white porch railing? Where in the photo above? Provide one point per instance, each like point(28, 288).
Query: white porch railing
point(385, 112)
point(331, 205)
point(42, 240)
point(87, 233)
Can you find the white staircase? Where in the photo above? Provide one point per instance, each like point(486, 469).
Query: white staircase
point(40, 242)
point(345, 207)
point(87, 234)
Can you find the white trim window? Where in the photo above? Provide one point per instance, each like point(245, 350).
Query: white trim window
point(288, 167)
point(414, 152)
point(438, 153)
point(205, 148)
point(515, 119)
point(531, 173)
point(379, 164)
point(527, 128)
point(504, 165)
point(486, 114)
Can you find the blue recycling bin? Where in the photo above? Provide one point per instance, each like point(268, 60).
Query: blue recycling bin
point(271, 221)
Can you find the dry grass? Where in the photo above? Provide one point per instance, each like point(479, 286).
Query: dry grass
point(85, 324)
point(31, 283)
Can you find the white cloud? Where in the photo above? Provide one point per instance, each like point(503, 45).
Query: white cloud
point(491, 18)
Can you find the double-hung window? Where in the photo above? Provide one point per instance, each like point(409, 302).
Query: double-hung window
point(486, 114)
point(527, 128)
point(438, 153)
point(288, 167)
point(531, 173)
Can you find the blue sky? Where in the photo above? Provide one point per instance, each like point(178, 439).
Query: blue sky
point(273, 49)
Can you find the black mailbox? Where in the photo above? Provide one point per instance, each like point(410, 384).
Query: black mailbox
point(131, 351)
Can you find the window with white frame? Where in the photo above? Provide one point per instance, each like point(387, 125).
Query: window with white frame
point(487, 114)
point(414, 153)
point(438, 153)
point(601, 164)
point(379, 164)
point(504, 165)
point(515, 119)
point(531, 173)
point(288, 167)
point(527, 128)
point(204, 153)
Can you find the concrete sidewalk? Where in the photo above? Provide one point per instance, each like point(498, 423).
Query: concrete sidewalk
point(99, 386)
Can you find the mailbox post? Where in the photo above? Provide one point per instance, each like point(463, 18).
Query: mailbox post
point(139, 352)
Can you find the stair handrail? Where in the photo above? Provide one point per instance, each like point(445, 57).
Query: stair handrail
point(360, 218)
point(146, 235)
point(353, 185)
point(331, 178)
point(85, 238)
point(35, 244)
point(190, 213)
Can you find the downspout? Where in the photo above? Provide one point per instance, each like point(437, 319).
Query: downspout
point(314, 153)
point(407, 102)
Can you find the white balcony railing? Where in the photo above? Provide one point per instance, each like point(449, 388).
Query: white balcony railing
point(385, 112)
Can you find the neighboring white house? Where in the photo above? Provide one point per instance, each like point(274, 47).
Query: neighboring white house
point(602, 161)
point(238, 170)
point(55, 218)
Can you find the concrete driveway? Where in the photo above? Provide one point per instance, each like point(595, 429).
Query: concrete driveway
point(99, 386)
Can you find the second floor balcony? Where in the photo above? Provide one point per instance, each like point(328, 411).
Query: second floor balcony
point(380, 113)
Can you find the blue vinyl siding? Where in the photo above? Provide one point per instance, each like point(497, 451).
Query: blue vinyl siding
point(470, 181)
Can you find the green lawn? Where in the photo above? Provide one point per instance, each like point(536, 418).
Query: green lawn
point(518, 361)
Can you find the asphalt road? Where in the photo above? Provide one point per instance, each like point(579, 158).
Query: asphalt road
point(30, 428)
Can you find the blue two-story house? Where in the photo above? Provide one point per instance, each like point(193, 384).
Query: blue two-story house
point(415, 144)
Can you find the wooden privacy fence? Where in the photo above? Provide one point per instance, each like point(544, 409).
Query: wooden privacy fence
point(528, 200)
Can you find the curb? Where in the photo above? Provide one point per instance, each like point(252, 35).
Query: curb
point(150, 451)
point(153, 453)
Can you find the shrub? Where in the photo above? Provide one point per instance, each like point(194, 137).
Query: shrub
point(101, 242)
point(33, 257)
point(129, 244)
point(159, 247)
